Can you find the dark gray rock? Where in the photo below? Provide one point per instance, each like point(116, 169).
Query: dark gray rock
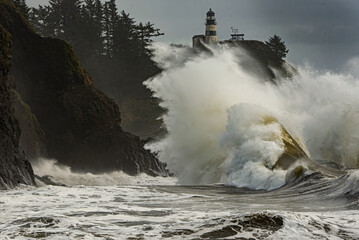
point(32, 138)
point(14, 167)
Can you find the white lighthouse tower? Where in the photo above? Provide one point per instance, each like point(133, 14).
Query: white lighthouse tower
point(211, 30)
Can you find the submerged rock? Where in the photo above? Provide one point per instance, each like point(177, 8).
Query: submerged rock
point(293, 151)
point(261, 224)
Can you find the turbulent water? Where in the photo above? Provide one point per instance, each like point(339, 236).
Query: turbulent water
point(316, 208)
point(227, 129)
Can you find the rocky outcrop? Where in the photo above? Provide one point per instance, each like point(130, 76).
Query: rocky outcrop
point(81, 124)
point(14, 167)
point(140, 111)
point(263, 60)
point(32, 137)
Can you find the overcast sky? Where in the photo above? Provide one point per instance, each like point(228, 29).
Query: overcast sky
point(324, 33)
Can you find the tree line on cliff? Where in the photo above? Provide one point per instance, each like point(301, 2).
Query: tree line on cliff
point(93, 28)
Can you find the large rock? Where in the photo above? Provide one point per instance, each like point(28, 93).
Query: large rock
point(263, 60)
point(14, 168)
point(32, 137)
point(81, 124)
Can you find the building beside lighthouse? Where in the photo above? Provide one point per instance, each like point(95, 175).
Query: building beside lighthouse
point(210, 35)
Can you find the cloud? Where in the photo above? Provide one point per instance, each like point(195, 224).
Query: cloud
point(352, 66)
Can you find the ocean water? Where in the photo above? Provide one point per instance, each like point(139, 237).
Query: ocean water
point(227, 130)
point(157, 208)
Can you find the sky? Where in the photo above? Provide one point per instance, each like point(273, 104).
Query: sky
point(321, 33)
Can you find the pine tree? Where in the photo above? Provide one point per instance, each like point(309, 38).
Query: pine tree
point(91, 13)
point(278, 46)
point(111, 19)
point(21, 5)
point(146, 33)
point(41, 20)
point(68, 15)
point(125, 37)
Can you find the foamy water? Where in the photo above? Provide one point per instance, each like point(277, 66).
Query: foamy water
point(174, 212)
point(62, 174)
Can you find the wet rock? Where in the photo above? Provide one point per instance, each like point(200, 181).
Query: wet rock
point(261, 221)
point(43, 222)
point(227, 231)
point(32, 138)
point(48, 180)
point(178, 232)
point(14, 167)
point(266, 224)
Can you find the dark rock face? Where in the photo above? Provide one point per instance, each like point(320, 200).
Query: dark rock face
point(264, 224)
point(32, 137)
point(81, 124)
point(14, 168)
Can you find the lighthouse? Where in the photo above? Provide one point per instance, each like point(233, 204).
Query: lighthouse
point(210, 34)
point(211, 31)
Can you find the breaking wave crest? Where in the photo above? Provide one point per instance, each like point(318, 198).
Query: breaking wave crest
point(217, 132)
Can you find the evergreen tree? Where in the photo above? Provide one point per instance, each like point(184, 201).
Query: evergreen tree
point(42, 20)
point(92, 17)
point(95, 29)
point(111, 19)
point(125, 37)
point(278, 46)
point(67, 14)
point(146, 33)
point(21, 5)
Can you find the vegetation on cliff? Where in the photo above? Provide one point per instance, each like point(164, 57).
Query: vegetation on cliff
point(278, 46)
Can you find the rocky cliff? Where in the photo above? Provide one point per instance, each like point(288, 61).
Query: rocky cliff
point(81, 124)
point(263, 60)
point(32, 138)
point(14, 167)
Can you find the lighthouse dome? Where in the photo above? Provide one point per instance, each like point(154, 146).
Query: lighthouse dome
point(210, 13)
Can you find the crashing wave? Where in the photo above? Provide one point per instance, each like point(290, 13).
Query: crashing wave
point(227, 125)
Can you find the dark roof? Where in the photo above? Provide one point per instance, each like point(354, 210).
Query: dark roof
point(210, 12)
point(198, 36)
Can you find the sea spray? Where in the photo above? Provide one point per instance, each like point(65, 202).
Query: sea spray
point(256, 144)
point(201, 92)
point(63, 175)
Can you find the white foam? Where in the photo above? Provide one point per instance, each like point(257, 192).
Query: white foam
point(208, 143)
point(150, 212)
point(63, 174)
